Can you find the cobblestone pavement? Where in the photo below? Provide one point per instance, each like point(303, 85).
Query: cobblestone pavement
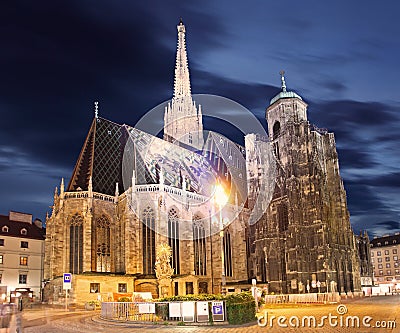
point(383, 311)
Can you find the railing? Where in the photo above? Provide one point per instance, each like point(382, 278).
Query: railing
point(171, 190)
point(85, 194)
point(303, 298)
point(103, 197)
point(138, 188)
point(130, 311)
point(163, 311)
point(76, 195)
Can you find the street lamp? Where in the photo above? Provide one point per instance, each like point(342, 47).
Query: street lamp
point(266, 267)
point(221, 199)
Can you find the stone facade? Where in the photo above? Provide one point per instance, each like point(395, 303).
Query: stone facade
point(305, 236)
point(128, 247)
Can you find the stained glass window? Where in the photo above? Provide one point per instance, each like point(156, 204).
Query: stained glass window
point(76, 244)
point(103, 254)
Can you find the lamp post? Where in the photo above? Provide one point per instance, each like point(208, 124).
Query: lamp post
point(221, 199)
point(266, 267)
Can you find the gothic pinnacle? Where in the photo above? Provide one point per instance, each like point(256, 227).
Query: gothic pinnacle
point(282, 73)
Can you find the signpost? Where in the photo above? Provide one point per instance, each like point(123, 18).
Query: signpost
point(218, 310)
point(67, 283)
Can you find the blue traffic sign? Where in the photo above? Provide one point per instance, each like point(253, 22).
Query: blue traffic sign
point(217, 309)
point(67, 277)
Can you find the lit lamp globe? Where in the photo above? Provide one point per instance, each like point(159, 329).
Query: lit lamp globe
point(220, 196)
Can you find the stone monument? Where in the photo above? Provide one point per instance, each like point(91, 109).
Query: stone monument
point(164, 270)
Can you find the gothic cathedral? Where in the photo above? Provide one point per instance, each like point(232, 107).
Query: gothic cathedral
point(131, 191)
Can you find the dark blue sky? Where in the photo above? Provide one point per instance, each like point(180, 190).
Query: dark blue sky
point(58, 57)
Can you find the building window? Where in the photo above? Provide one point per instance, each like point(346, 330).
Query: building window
point(379, 253)
point(380, 272)
point(1, 259)
point(227, 253)
point(190, 138)
point(24, 244)
point(380, 266)
point(388, 265)
point(76, 244)
point(173, 239)
point(4, 229)
point(22, 278)
point(388, 272)
point(1, 278)
point(395, 258)
point(94, 288)
point(24, 232)
point(387, 258)
point(379, 259)
point(149, 241)
point(1, 242)
point(23, 261)
point(394, 251)
point(283, 217)
point(189, 288)
point(276, 150)
point(103, 255)
point(276, 129)
point(396, 264)
point(386, 252)
point(122, 287)
point(199, 245)
point(372, 254)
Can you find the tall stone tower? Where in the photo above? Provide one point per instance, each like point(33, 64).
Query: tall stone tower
point(305, 237)
point(183, 122)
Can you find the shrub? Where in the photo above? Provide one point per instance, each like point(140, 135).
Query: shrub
point(124, 299)
point(240, 308)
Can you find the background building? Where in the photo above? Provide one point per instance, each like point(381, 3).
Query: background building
point(21, 256)
point(385, 253)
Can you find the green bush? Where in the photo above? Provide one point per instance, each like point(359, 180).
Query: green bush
point(198, 297)
point(124, 299)
point(240, 308)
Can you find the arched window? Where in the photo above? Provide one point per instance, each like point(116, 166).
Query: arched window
point(199, 245)
point(4, 229)
point(173, 239)
point(76, 244)
point(24, 232)
point(103, 246)
point(149, 241)
point(283, 218)
point(227, 253)
point(276, 129)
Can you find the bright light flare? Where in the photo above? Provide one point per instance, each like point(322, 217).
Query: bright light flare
point(220, 196)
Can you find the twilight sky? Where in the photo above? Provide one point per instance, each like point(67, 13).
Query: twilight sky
point(57, 57)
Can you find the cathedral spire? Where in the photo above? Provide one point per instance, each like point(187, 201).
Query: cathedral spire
point(182, 81)
point(183, 123)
